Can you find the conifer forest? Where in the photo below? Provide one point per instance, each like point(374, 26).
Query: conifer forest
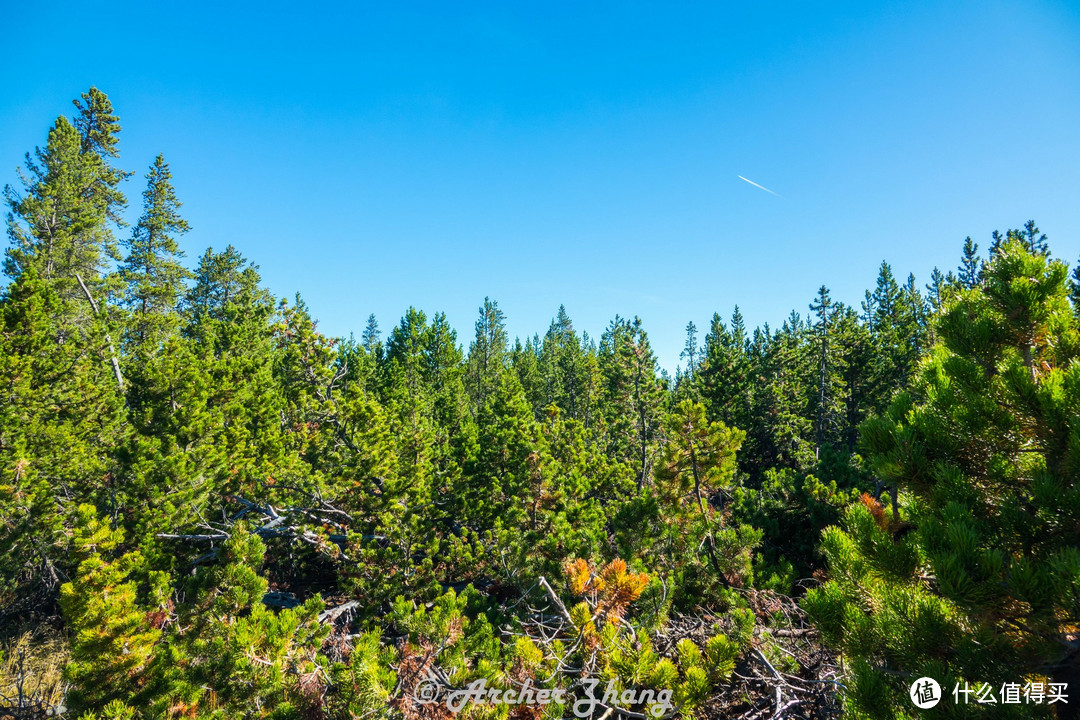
point(209, 509)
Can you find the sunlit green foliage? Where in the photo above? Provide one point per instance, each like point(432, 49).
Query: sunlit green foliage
point(232, 515)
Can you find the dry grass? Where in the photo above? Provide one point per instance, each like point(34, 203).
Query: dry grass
point(31, 669)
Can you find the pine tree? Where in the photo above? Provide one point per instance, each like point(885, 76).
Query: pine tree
point(113, 639)
point(182, 416)
point(570, 503)
point(372, 339)
point(973, 577)
point(868, 310)
point(914, 327)
point(152, 270)
point(567, 370)
point(781, 422)
point(509, 461)
point(226, 286)
point(60, 370)
point(60, 223)
point(58, 425)
point(738, 328)
point(307, 370)
point(405, 352)
point(229, 328)
point(632, 393)
point(899, 329)
point(938, 288)
point(423, 384)
point(444, 374)
point(63, 219)
point(698, 465)
point(888, 335)
point(823, 309)
point(855, 382)
point(1029, 236)
point(227, 405)
point(231, 656)
point(98, 129)
point(425, 396)
point(1033, 239)
point(970, 269)
point(681, 524)
point(487, 353)
point(527, 362)
point(724, 372)
point(690, 349)
point(384, 476)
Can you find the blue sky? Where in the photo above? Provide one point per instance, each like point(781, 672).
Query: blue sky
point(402, 154)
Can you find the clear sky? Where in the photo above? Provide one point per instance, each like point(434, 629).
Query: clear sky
point(541, 153)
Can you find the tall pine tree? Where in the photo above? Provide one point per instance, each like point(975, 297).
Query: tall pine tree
point(976, 578)
point(152, 271)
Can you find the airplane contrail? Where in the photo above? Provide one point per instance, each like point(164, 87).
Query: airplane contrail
point(758, 186)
